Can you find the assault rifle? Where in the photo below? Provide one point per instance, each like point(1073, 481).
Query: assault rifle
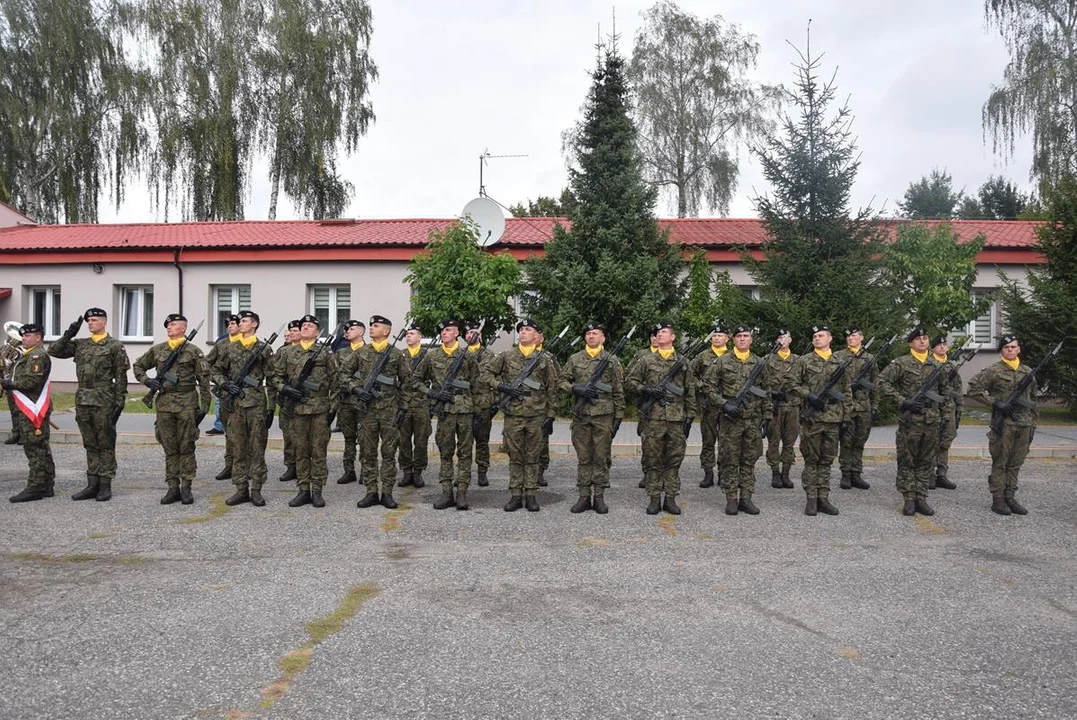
point(595, 384)
point(243, 380)
point(1015, 400)
point(666, 386)
point(924, 392)
point(828, 391)
point(522, 384)
point(861, 380)
point(437, 407)
point(733, 407)
point(164, 373)
point(303, 384)
point(370, 390)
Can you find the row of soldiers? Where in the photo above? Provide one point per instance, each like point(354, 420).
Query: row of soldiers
point(383, 399)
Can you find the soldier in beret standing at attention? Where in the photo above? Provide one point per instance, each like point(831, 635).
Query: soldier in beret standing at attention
point(28, 385)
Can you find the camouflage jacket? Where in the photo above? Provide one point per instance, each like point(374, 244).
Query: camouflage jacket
point(340, 357)
point(287, 365)
point(699, 366)
point(903, 377)
point(483, 395)
point(29, 373)
point(229, 363)
point(435, 367)
point(101, 369)
point(578, 370)
point(540, 393)
point(414, 398)
point(191, 389)
point(355, 370)
point(865, 400)
point(997, 381)
point(781, 378)
point(725, 378)
point(810, 374)
point(649, 370)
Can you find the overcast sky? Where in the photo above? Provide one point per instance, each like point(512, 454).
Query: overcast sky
point(461, 78)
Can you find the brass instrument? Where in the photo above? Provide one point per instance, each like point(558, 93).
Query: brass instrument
point(11, 349)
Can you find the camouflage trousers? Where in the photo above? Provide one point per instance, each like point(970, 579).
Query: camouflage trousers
point(35, 445)
point(592, 437)
point(453, 438)
point(414, 438)
point(818, 446)
point(709, 429)
point(782, 436)
point(947, 433)
point(177, 432)
point(851, 442)
point(348, 422)
point(544, 453)
point(523, 443)
point(98, 439)
point(1008, 452)
point(246, 430)
point(480, 430)
point(310, 438)
point(229, 445)
point(740, 445)
point(378, 430)
point(917, 444)
point(289, 444)
point(663, 445)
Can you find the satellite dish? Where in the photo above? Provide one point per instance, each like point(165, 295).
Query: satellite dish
point(488, 217)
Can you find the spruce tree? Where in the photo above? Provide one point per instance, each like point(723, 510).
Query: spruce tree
point(614, 265)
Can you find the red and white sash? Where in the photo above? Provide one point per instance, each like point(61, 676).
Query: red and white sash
point(35, 411)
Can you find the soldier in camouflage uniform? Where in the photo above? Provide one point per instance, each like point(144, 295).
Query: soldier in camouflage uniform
point(415, 423)
point(641, 422)
point(379, 407)
point(821, 418)
point(865, 407)
point(101, 367)
point(740, 434)
point(482, 399)
point(709, 416)
point(601, 408)
point(1013, 424)
point(244, 403)
point(181, 404)
point(669, 420)
point(291, 337)
point(951, 414)
point(28, 383)
point(452, 399)
point(918, 423)
point(309, 405)
point(223, 343)
point(530, 412)
point(544, 455)
point(347, 404)
point(784, 423)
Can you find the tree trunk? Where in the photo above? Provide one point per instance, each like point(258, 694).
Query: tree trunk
point(274, 186)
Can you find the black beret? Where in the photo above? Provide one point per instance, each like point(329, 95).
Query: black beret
point(448, 323)
point(381, 320)
point(1006, 339)
point(820, 328)
point(294, 324)
point(939, 340)
point(413, 326)
point(852, 330)
point(528, 322)
point(250, 314)
point(593, 326)
point(743, 329)
point(916, 332)
point(233, 318)
point(309, 319)
point(472, 325)
point(173, 317)
point(354, 323)
point(31, 328)
point(720, 327)
point(94, 312)
point(661, 325)
point(781, 332)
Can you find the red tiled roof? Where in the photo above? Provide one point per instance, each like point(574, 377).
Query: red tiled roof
point(519, 233)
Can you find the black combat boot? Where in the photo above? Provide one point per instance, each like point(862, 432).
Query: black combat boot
point(29, 495)
point(12, 439)
point(461, 497)
point(825, 506)
point(446, 500)
point(240, 496)
point(406, 481)
point(746, 505)
point(909, 508)
point(582, 505)
point(775, 478)
point(786, 482)
point(811, 507)
point(732, 506)
point(515, 503)
point(256, 498)
point(642, 483)
point(944, 482)
point(316, 498)
point(483, 480)
point(369, 500)
point(922, 507)
point(345, 479)
point(90, 491)
point(531, 502)
point(655, 505)
point(104, 489)
point(858, 481)
point(172, 496)
point(542, 482)
point(599, 503)
point(387, 501)
point(1015, 507)
point(301, 498)
point(708, 478)
point(225, 474)
point(186, 496)
point(289, 474)
point(670, 505)
point(846, 480)
point(1000, 506)
point(417, 480)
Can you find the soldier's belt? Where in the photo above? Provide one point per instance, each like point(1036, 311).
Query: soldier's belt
point(95, 385)
point(181, 388)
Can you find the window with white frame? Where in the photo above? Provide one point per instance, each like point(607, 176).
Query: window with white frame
point(228, 300)
point(136, 312)
point(983, 330)
point(44, 305)
point(331, 304)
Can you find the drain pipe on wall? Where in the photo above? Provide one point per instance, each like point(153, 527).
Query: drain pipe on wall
point(179, 273)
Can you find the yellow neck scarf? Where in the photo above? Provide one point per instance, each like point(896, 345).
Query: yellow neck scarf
point(784, 353)
point(666, 354)
point(743, 357)
point(99, 338)
point(173, 344)
point(413, 351)
point(855, 350)
point(474, 348)
point(1012, 364)
point(654, 348)
point(248, 342)
point(825, 354)
point(234, 338)
point(593, 353)
point(357, 344)
point(306, 344)
point(920, 357)
point(379, 346)
point(450, 350)
point(719, 351)
point(526, 350)
point(939, 358)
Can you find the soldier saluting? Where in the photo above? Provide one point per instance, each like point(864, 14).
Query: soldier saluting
point(28, 385)
point(101, 367)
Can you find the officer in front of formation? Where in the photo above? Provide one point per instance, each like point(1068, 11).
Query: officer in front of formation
point(28, 384)
point(865, 406)
point(599, 408)
point(183, 398)
point(784, 426)
point(415, 422)
point(672, 397)
point(101, 367)
point(307, 407)
point(709, 416)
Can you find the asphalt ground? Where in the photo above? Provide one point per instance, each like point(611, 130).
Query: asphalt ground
point(130, 609)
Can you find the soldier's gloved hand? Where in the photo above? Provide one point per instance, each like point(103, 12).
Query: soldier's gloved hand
point(401, 413)
point(843, 427)
point(731, 410)
point(547, 426)
point(764, 427)
point(585, 390)
point(440, 395)
point(957, 418)
point(199, 417)
point(616, 426)
point(7, 384)
point(116, 412)
point(364, 395)
point(914, 406)
point(73, 329)
point(269, 419)
point(292, 393)
point(652, 391)
point(1005, 408)
point(232, 388)
point(330, 416)
point(515, 393)
point(874, 417)
point(1031, 434)
point(778, 396)
point(153, 383)
point(816, 401)
point(687, 427)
